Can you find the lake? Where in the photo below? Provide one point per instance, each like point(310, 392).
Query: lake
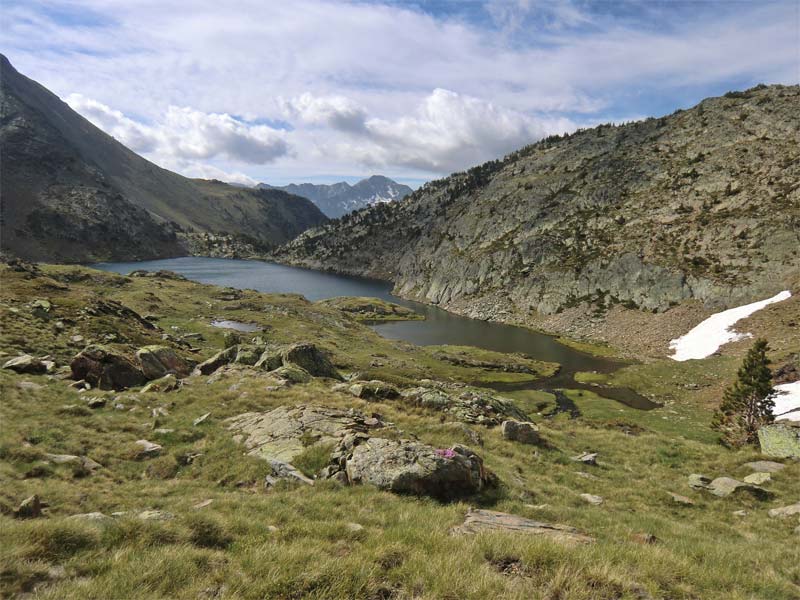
point(439, 326)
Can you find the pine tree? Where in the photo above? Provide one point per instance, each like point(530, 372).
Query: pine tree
point(748, 403)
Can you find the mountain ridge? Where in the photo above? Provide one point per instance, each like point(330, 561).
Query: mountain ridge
point(338, 199)
point(644, 215)
point(73, 193)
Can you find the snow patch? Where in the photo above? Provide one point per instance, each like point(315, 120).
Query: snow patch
point(708, 336)
point(787, 402)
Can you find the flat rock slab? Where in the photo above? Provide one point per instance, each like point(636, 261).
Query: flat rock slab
point(725, 486)
point(764, 466)
point(285, 432)
point(481, 521)
point(785, 511)
point(757, 478)
point(466, 405)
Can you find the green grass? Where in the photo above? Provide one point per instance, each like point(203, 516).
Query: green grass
point(289, 542)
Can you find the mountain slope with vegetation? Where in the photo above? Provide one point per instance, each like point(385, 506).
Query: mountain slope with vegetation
point(341, 198)
point(70, 192)
point(703, 204)
point(153, 489)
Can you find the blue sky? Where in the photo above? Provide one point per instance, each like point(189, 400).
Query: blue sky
point(313, 90)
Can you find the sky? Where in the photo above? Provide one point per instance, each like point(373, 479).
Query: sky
point(282, 91)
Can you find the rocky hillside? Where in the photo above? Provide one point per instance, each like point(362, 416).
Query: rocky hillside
point(73, 193)
point(701, 204)
point(341, 198)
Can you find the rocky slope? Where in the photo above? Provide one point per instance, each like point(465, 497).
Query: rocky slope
point(701, 204)
point(73, 193)
point(341, 198)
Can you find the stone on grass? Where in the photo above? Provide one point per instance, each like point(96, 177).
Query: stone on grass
point(519, 431)
point(203, 504)
point(409, 467)
point(587, 458)
point(83, 461)
point(96, 402)
point(26, 364)
point(148, 449)
point(780, 440)
point(155, 515)
point(30, 508)
point(164, 384)
point(106, 368)
point(678, 499)
point(592, 499)
point(29, 385)
point(291, 374)
point(698, 482)
point(201, 419)
point(479, 521)
point(285, 471)
point(764, 466)
point(215, 362)
point(95, 518)
point(373, 390)
point(785, 511)
point(726, 486)
point(158, 361)
point(757, 478)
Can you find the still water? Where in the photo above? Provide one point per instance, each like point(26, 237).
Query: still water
point(439, 326)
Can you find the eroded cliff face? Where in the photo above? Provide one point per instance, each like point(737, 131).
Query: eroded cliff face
point(702, 204)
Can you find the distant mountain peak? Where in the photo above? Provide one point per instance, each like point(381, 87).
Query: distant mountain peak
point(338, 199)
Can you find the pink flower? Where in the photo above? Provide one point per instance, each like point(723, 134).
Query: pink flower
point(445, 452)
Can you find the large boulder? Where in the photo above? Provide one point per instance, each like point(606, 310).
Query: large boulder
point(780, 440)
point(726, 486)
point(106, 368)
point(287, 431)
point(158, 361)
point(26, 364)
point(304, 355)
point(409, 467)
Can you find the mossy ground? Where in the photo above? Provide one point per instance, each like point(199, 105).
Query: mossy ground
point(300, 542)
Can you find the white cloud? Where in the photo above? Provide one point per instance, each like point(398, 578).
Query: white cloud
point(187, 134)
point(362, 75)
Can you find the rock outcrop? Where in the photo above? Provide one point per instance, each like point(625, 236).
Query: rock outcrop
point(645, 214)
point(468, 405)
point(158, 361)
point(480, 521)
point(409, 467)
point(106, 368)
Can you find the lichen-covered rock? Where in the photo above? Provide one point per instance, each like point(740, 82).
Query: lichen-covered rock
point(292, 374)
point(285, 432)
point(106, 368)
point(479, 521)
point(248, 354)
point(158, 361)
point(373, 390)
point(312, 359)
point(780, 440)
point(725, 486)
point(409, 467)
point(464, 404)
point(26, 364)
point(520, 431)
point(218, 360)
point(167, 383)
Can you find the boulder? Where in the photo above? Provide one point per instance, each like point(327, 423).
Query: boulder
point(519, 431)
point(283, 433)
point(373, 390)
point(167, 383)
point(26, 364)
point(106, 368)
point(725, 486)
point(248, 354)
point(308, 357)
point(148, 449)
point(409, 467)
point(285, 471)
point(155, 515)
point(757, 478)
point(764, 466)
point(780, 440)
point(480, 521)
point(785, 511)
point(30, 508)
point(70, 459)
point(465, 405)
point(587, 458)
point(218, 360)
point(292, 374)
point(41, 309)
point(158, 361)
point(698, 482)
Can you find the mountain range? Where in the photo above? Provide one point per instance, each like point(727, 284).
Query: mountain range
point(71, 193)
point(703, 204)
point(338, 199)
